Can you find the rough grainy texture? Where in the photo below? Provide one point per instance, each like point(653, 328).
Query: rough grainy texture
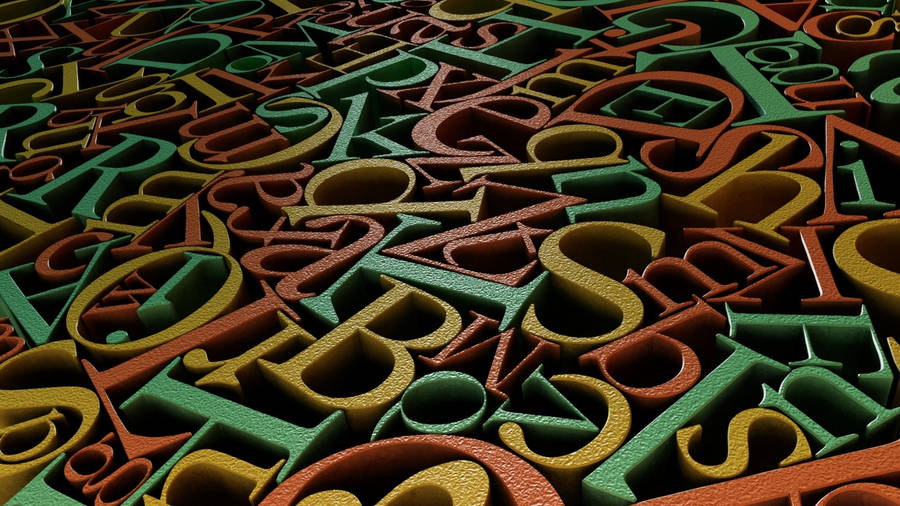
point(449, 252)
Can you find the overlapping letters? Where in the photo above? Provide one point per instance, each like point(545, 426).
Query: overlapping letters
point(506, 252)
